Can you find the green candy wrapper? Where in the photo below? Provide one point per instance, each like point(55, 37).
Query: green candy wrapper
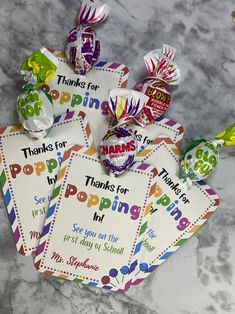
point(200, 158)
point(34, 106)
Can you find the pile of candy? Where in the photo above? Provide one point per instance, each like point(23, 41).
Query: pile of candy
point(141, 106)
point(128, 110)
point(119, 146)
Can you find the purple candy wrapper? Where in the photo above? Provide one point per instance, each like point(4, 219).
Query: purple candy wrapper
point(118, 150)
point(83, 46)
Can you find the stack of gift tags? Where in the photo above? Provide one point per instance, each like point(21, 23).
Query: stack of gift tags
point(79, 222)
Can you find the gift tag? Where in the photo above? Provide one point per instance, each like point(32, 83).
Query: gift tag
point(88, 93)
point(176, 213)
point(29, 170)
point(95, 223)
point(162, 126)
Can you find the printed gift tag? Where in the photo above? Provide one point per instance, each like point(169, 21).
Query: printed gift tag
point(176, 213)
point(95, 222)
point(29, 169)
point(162, 126)
point(88, 93)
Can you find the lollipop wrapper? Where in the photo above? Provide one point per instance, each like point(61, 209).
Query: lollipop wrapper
point(126, 104)
point(36, 112)
point(161, 65)
point(38, 68)
point(198, 161)
point(159, 100)
point(200, 158)
point(92, 12)
point(163, 72)
point(227, 136)
point(118, 150)
point(34, 106)
point(83, 46)
point(83, 49)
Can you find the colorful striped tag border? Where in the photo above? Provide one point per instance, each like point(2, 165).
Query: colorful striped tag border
point(172, 125)
point(204, 188)
point(5, 181)
point(104, 66)
point(155, 145)
point(90, 153)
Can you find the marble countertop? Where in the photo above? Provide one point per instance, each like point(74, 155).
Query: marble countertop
point(199, 278)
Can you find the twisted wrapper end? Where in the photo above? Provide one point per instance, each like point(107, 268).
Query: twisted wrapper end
point(227, 136)
point(92, 12)
point(126, 104)
point(160, 64)
point(185, 177)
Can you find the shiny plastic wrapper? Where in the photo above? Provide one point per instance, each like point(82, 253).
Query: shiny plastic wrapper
point(118, 150)
point(200, 158)
point(34, 106)
point(83, 46)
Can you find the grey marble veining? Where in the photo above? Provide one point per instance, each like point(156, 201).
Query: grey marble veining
point(199, 278)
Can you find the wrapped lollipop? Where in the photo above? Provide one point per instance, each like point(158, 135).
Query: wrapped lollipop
point(163, 72)
point(200, 158)
point(119, 146)
point(118, 150)
point(83, 46)
point(34, 106)
point(126, 104)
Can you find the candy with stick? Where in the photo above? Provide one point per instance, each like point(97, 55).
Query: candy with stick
point(163, 72)
point(142, 267)
point(83, 46)
point(200, 158)
point(124, 271)
point(113, 273)
point(106, 280)
point(126, 104)
point(34, 106)
point(118, 150)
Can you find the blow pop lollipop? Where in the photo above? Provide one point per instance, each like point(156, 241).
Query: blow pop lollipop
point(34, 106)
point(83, 46)
point(200, 158)
point(163, 72)
point(118, 150)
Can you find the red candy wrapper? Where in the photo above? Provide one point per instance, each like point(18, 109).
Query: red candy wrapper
point(163, 72)
point(83, 46)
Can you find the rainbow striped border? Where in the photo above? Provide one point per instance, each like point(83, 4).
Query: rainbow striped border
point(104, 66)
point(90, 153)
point(206, 189)
point(5, 180)
point(164, 123)
point(155, 145)
point(172, 125)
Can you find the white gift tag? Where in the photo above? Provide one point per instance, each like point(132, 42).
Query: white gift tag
point(88, 93)
point(162, 126)
point(28, 173)
point(95, 222)
point(175, 214)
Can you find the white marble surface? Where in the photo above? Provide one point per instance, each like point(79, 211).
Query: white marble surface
point(199, 278)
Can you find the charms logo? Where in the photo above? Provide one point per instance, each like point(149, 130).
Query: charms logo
point(118, 149)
